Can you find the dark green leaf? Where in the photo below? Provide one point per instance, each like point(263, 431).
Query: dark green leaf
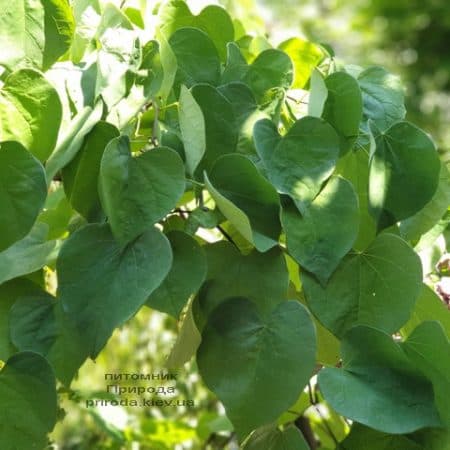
point(186, 275)
point(302, 160)
point(101, 285)
point(136, 192)
point(379, 386)
point(312, 238)
point(27, 385)
point(246, 199)
point(81, 174)
point(23, 190)
point(343, 107)
point(261, 277)
point(404, 173)
point(377, 287)
point(240, 345)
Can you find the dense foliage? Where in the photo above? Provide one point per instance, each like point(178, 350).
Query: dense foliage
point(270, 199)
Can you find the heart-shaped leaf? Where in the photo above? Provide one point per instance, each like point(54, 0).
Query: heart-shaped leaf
point(312, 238)
point(377, 287)
point(27, 385)
point(101, 284)
point(272, 438)
point(302, 160)
point(255, 353)
point(379, 386)
point(136, 192)
point(23, 190)
point(185, 277)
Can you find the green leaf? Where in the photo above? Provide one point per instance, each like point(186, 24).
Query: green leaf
point(240, 345)
point(383, 97)
point(102, 285)
point(312, 238)
point(260, 277)
point(27, 384)
point(192, 126)
point(23, 190)
point(368, 439)
point(429, 306)
point(271, 69)
point(318, 94)
point(379, 386)
point(169, 65)
point(39, 324)
point(377, 287)
point(34, 33)
point(187, 342)
point(136, 192)
point(73, 139)
point(236, 66)
point(30, 112)
point(81, 175)
point(220, 124)
point(344, 107)
point(197, 57)
point(27, 255)
point(266, 136)
point(9, 293)
point(302, 160)
point(414, 227)
point(305, 57)
point(246, 199)
point(186, 275)
point(213, 20)
point(428, 348)
point(272, 438)
point(404, 173)
point(354, 167)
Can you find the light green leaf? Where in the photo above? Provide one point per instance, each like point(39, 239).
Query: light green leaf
point(101, 285)
point(72, 140)
point(343, 107)
point(312, 238)
point(213, 20)
point(272, 438)
point(186, 275)
point(246, 199)
point(240, 345)
point(34, 33)
point(354, 167)
point(81, 175)
point(23, 190)
point(260, 277)
point(302, 160)
point(271, 69)
point(383, 97)
point(197, 57)
point(30, 112)
point(192, 126)
point(27, 384)
point(377, 287)
point(27, 255)
point(57, 213)
point(187, 342)
point(318, 94)
point(379, 386)
point(136, 192)
point(305, 57)
point(404, 173)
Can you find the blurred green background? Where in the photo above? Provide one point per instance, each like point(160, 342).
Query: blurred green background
point(408, 37)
